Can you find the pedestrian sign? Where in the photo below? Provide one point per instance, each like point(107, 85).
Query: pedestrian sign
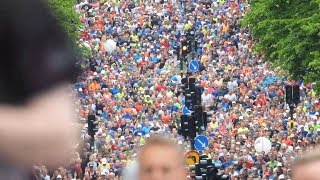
point(201, 142)
point(185, 111)
point(194, 66)
point(192, 157)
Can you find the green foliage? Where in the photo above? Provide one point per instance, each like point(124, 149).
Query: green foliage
point(69, 19)
point(67, 16)
point(288, 33)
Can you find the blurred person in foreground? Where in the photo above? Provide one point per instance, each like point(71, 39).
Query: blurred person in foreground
point(160, 158)
point(36, 112)
point(307, 166)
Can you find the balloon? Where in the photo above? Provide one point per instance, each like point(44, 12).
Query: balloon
point(262, 144)
point(110, 45)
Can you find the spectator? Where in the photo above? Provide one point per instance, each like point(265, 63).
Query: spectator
point(157, 167)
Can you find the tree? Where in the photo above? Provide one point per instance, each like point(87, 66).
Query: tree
point(288, 34)
point(69, 19)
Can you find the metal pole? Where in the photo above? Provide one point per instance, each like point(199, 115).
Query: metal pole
point(291, 106)
point(192, 144)
point(92, 141)
point(181, 66)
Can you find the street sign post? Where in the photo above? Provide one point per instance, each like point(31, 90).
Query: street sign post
point(201, 142)
point(194, 66)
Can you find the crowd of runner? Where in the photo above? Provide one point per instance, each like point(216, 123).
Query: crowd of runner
point(133, 98)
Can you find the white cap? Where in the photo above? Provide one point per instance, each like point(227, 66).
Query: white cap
point(104, 161)
point(281, 176)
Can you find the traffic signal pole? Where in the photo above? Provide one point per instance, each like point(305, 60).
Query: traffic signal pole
point(189, 45)
point(192, 144)
point(181, 67)
point(292, 98)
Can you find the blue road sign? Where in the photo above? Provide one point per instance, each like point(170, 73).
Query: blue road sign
point(201, 142)
point(194, 66)
point(185, 111)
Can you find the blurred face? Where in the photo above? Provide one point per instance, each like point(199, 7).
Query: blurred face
point(154, 166)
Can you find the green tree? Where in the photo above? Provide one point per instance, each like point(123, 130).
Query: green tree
point(288, 34)
point(64, 11)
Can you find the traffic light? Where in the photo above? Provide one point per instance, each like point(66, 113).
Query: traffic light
point(296, 94)
point(207, 170)
point(195, 171)
point(92, 125)
point(197, 114)
point(188, 127)
point(184, 85)
point(193, 128)
point(288, 94)
point(185, 47)
point(196, 88)
point(189, 99)
point(197, 93)
point(192, 84)
point(293, 94)
point(184, 125)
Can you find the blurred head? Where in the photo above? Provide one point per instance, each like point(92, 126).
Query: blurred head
point(153, 165)
point(306, 166)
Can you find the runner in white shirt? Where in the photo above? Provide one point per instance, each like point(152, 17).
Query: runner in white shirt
point(206, 98)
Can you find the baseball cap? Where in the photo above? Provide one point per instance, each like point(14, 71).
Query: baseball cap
point(281, 177)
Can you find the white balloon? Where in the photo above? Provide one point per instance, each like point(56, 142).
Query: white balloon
point(262, 144)
point(110, 45)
